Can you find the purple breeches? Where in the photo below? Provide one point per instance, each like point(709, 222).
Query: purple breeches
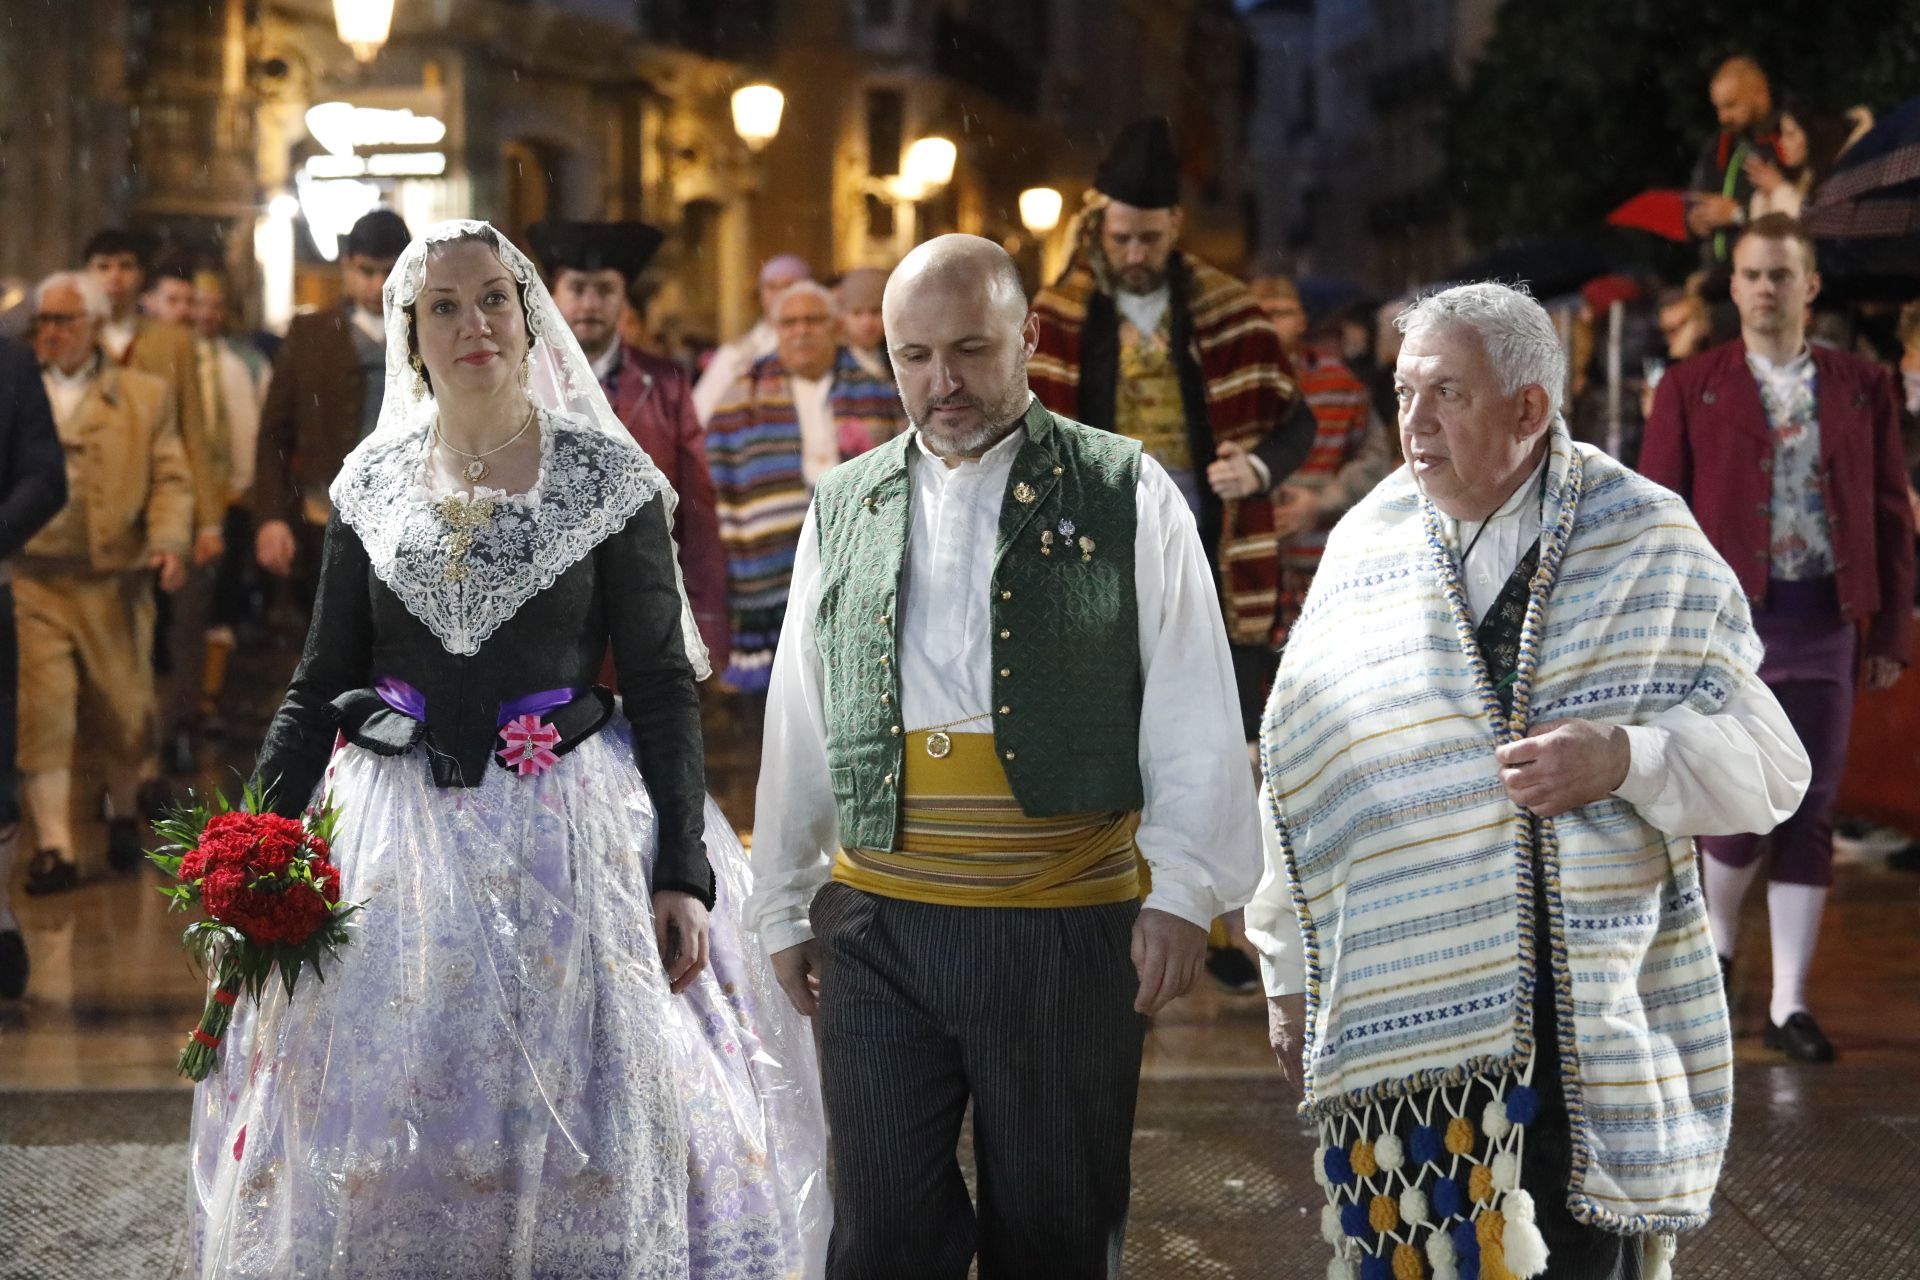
point(1810, 666)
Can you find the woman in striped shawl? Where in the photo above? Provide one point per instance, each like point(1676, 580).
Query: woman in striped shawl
point(1522, 681)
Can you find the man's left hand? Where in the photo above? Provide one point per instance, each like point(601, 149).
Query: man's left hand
point(1167, 954)
point(1233, 475)
point(1882, 674)
point(1563, 764)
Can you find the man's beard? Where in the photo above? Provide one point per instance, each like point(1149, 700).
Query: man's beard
point(1142, 282)
point(594, 337)
point(997, 421)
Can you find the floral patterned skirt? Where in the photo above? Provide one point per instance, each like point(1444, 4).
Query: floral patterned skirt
point(493, 1079)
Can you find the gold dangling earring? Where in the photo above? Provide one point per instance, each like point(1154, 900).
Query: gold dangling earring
point(420, 387)
point(526, 373)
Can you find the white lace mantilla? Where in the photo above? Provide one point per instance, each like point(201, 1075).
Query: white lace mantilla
point(464, 577)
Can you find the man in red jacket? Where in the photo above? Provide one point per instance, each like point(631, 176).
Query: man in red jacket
point(1790, 458)
point(590, 266)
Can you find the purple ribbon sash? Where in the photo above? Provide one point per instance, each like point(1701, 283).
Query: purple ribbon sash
point(409, 701)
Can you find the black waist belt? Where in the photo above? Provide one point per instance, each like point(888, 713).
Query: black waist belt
point(390, 719)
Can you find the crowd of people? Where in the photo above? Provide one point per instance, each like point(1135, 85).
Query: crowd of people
point(1025, 599)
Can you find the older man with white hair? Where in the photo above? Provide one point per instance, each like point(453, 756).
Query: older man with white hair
point(785, 422)
point(83, 586)
point(1521, 683)
point(732, 360)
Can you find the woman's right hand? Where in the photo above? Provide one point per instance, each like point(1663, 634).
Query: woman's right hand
point(680, 923)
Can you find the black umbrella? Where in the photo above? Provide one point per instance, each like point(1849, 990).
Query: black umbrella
point(1548, 265)
point(1873, 192)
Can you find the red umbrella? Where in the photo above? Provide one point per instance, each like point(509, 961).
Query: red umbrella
point(1662, 212)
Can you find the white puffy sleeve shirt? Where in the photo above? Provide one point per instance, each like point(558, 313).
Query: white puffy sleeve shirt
point(1198, 827)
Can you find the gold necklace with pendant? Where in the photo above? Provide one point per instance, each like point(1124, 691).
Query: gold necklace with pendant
point(476, 469)
point(939, 744)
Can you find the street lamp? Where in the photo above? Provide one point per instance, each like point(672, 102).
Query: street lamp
point(363, 25)
point(756, 114)
point(1040, 209)
point(929, 165)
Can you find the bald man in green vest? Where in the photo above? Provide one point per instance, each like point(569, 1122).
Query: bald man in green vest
point(1003, 793)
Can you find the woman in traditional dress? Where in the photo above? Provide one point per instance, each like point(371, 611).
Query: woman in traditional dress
point(548, 1051)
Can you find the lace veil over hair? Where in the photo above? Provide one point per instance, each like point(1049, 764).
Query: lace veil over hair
point(593, 475)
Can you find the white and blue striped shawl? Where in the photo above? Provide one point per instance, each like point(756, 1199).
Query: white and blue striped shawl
point(1412, 873)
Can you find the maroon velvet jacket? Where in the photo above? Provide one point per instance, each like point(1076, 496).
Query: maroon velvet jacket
point(1708, 440)
point(651, 397)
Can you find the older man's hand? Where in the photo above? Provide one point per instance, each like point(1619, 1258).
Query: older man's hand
point(171, 568)
point(1563, 764)
point(1286, 1016)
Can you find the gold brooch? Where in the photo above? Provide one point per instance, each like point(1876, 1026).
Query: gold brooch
point(463, 517)
point(1086, 548)
point(1046, 542)
point(1023, 493)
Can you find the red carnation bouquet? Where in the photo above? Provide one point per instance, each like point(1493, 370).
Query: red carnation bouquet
point(272, 892)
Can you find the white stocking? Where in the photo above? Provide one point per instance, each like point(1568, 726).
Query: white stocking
point(1793, 917)
point(1726, 890)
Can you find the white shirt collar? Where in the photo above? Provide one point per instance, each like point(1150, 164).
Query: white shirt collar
point(607, 361)
point(1527, 492)
point(1795, 366)
point(1145, 310)
point(116, 336)
point(369, 323)
point(1003, 451)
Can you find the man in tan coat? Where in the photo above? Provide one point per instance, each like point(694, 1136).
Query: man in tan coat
point(163, 348)
point(83, 586)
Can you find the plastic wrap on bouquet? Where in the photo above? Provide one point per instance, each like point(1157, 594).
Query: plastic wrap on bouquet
point(495, 1079)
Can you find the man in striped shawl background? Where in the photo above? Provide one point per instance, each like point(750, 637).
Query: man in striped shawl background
point(795, 415)
point(1522, 681)
point(1141, 338)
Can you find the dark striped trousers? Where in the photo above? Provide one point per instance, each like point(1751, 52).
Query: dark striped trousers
point(1025, 1012)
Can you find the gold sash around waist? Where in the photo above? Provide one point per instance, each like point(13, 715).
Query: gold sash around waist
point(964, 841)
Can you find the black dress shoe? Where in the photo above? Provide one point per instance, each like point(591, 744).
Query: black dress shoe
point(1232, 969)
point(48, 872)
point(123, 844)
point(1800, 1039)
point(13, 965)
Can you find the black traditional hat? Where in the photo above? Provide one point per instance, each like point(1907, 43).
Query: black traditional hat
point(1141, 169)
point(626, 247)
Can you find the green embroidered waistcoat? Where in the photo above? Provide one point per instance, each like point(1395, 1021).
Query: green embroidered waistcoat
point(1066, 648)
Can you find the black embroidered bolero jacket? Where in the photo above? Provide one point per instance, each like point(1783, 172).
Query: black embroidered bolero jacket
point(624, 591)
